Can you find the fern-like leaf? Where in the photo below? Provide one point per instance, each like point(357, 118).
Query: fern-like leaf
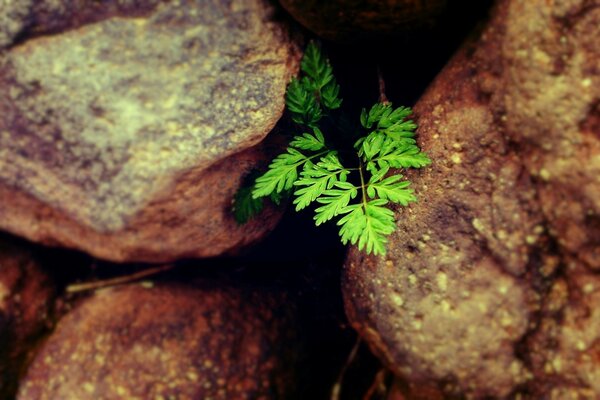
point(392, 188)
point(409, 156)
point(281, 175)
point(245, 206)
point(302, 104)
point(317, 178)
point(316, 67)
point(330, 96)
point(335, 202)
point(368, 225)
point(309, 141)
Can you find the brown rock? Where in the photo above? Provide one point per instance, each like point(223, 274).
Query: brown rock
point(481, 293)
point(349, 20)
point(128, 137)
point(167, 341)
point(26, 296)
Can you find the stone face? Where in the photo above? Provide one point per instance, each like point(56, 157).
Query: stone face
point(488, 286)
point(167, 341)
point(348, 20)
point(26, 295)
point(114, 135)
point(13, 15)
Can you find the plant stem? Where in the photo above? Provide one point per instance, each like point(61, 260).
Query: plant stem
point(382, 97)
point(120, 280)
point(362, 184)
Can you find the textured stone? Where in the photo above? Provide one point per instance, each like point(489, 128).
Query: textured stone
point(167, 341)
point(116, 136)
point(13, 17)
point(348, 20)
point(488, 289)
point(26, 295)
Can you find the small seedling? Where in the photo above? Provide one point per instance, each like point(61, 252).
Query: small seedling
point(342, 167)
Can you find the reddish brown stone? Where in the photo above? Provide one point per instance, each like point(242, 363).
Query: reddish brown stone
point(26, 296)
point(481, 293)
point(167, 341)
point(348, 20)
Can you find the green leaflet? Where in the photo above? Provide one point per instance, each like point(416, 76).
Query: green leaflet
point(335, 202)
point(317, 178)
point(245, 206)
point(302, 104)
point(358, 196)
point(368, 226)
point(306, 141)
point(282, 173)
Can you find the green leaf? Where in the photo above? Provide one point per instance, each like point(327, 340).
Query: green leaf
point(316, 67)
point(335, 202)
point(309, 141)
point(302, 104)
point(330, 96)
point(375, 114)
point(402, 157)
point(245, 206)
point(392, 189)
point(391, 117)
point(389, 121)
point(368, 226)
point(317, 178)
point(281, 175)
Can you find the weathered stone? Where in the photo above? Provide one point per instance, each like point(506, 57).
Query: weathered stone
point(348, 20)
point(481, 293)
point(167, 341)
point(25, 300)
point(13, 16)
point(128, 137)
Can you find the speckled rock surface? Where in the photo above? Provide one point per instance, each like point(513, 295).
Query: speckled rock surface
point(127, 137)
point(26, 296)
point(13, 15)
point(348, 20)
point(168, 341)
point(488, 287)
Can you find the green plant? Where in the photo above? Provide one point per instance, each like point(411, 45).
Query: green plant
point(342, 167)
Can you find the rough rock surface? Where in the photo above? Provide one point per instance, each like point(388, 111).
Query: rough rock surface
point(489, 285)
point(25, 301)
point(168, 341)
point(13, 17)
point(348, 20)
point(116, 136)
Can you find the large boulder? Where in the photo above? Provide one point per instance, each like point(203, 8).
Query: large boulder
point(26, 299)
point(168, 341)
point(350, 20)
point(128, 137)
point(488, 288)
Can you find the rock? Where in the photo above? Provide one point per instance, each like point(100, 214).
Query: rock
point(128, 137)
point(26, 295)
point(167, 341)
point(483, 290)
point(13, 17)
point(350, 20)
